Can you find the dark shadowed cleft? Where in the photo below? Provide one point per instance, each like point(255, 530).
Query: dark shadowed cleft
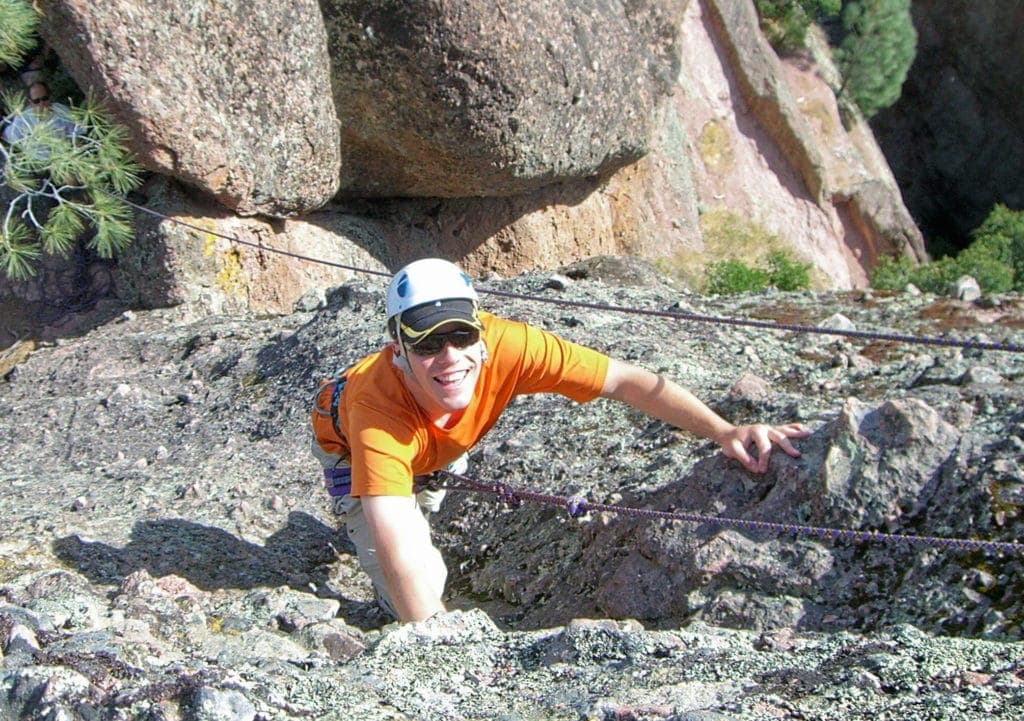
point(791, 681)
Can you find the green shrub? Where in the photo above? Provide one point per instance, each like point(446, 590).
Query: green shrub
point(726, 277)
point(875, 54)
point(995, 258)
point(896, 274)
point(787, 274)
point(59, 183)
point(892, 273)
point(936, 277)
point(987, 265)
point(18, 21)
point(785, 22)
point(1002, 236)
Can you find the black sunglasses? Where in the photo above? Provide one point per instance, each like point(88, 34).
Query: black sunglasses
point(435, 342)
point(44, 99)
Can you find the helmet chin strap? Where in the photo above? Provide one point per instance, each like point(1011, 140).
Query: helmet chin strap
point(401, 359)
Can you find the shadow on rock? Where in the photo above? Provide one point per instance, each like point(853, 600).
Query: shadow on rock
point(210, 558)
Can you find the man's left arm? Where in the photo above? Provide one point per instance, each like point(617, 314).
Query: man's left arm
point(668, 401)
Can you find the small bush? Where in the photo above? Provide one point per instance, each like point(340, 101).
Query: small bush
point(986, 264)
point(786, 273)
point(896, 274)
point(1002, 235)
point(727, 277)
point(893, 273)
point(785, 22)
point(995, 258)
point(879, 45)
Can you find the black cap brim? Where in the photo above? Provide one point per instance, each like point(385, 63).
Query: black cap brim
point(424, 318)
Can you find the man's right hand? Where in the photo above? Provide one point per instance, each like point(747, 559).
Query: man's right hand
point(402, 541)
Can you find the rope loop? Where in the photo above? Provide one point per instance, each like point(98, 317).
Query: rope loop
point(577, 506)
point(507, 494)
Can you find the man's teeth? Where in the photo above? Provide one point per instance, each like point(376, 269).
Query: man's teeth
point(449, 378)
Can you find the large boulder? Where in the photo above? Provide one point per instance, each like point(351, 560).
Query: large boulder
point(232, 98)
point(474, 98)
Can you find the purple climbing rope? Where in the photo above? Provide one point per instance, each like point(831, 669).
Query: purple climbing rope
point(577, 506)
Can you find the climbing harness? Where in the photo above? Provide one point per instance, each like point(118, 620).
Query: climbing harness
point(337, 479)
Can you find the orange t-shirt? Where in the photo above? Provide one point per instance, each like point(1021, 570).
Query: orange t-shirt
point(387, 437)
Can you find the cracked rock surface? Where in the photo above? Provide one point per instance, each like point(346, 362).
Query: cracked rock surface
point(167, 551)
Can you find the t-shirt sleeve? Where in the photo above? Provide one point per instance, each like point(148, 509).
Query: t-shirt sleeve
point(553, 364)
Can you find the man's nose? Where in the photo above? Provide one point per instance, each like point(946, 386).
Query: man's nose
point(448, 350)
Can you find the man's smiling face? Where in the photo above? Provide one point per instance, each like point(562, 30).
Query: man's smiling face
point(444, 382)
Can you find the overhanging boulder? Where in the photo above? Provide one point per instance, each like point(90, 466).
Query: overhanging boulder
point(232, 98)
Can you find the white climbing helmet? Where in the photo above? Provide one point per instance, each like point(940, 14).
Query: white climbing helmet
point(436, 292)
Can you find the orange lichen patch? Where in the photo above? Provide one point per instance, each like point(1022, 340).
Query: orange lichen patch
point(231, 279)
point(14, 355)
point(786, 314)
point(883, 351)
point(209, 237)
point(947, 314)
point(715, 147)
point(626, 187)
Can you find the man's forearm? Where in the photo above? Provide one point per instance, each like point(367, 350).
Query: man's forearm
point(663, 399)
point(411, 593)
point(673, 404)
point(401, 544)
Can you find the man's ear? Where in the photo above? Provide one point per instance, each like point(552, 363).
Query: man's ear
point(399, 360)
point(484, 356)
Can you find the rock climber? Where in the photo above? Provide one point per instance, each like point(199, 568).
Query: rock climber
point(419, 404)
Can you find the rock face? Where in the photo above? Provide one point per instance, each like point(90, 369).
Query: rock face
point(534, 134)
point(955, 139)
point(194, 253)
point(470, 98)
point(233, 98)
point(766, 144)
point(168, 552)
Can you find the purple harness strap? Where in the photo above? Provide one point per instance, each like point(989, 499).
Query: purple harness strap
point(338, 480)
